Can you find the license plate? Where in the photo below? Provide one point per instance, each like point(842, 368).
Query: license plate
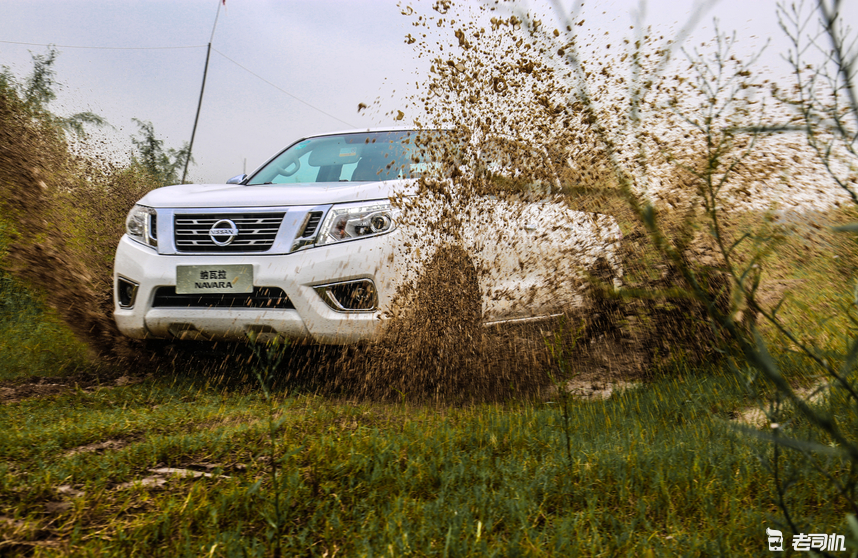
point(196, 279)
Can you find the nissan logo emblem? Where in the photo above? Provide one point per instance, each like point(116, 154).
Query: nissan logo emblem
point(223, 232)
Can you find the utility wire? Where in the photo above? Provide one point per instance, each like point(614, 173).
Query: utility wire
point(210, 48)
point(202, 90)
point(189, 46)
point(215, 23)
point(101, 47)
point(283, 90)
point(183, 47)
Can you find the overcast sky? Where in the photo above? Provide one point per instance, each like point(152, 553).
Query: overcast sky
point(332, 54)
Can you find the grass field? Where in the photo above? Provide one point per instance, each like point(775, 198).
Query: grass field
point(155, 462)
point(33, 339)
point(167, 458)
point(655, 470)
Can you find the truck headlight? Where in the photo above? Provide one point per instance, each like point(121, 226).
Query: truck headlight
point(354, 221)
point(142, 225)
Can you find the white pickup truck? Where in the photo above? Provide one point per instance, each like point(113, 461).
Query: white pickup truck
point(311, 245)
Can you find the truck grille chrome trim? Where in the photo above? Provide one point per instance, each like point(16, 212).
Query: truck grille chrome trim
point(256, 232)
point(126, 292)
point(313, 220)
point(307, 237)
point(350, 296)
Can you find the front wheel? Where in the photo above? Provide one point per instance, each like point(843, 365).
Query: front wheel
point(448, 293)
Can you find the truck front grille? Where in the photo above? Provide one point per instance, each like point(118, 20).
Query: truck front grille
point(256, 232)
point(313, 219)
point(261, 297)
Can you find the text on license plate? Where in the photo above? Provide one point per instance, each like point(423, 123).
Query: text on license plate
point(193, 279)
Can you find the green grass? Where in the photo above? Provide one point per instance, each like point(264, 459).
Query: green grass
point(659, 470)
point(655, 470)
point(809, 264)
point(816, 270)
point(33, 339)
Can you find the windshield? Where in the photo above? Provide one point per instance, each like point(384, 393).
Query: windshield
point(359, 157)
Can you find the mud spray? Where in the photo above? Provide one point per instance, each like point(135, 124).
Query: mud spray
point(528, 122)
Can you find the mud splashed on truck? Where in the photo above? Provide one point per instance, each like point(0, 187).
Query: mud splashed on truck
point(520, 158)
point(521, 137)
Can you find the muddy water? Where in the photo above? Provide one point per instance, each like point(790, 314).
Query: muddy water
point(529, 128)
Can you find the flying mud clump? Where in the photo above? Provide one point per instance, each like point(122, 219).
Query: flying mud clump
point(65, 213)
point(540, 142)
point(544, 115)
point(488, 234)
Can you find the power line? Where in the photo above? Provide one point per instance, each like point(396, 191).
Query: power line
point(251, 72)
point(284, 91)
point(185, 47)
point(101, 47)
point(202, 90)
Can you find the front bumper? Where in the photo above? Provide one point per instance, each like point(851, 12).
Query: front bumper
point(297, 274)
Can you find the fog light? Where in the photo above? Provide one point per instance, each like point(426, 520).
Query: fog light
point(350, 296)
point(126, 292)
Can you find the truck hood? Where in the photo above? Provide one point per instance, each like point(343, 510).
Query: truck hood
point(273, 195)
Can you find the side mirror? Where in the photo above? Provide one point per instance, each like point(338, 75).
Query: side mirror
point(237, 179)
